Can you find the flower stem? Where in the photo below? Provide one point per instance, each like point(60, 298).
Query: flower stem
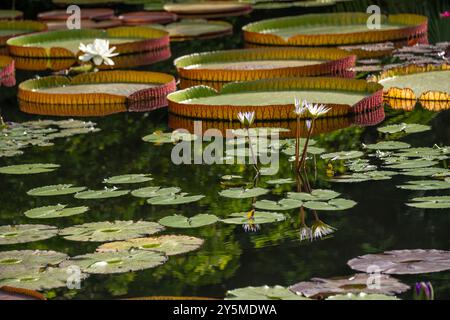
point(305, 148)
point(255, 163)
point(297, 144)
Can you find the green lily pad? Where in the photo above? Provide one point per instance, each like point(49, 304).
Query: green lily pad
point(128, 178)
point(242, 193)
point(387, 145)
point(57, 211)
point(424, 172)
point(404, 127)
point(362, 296)
point(29, 168)
point(424, 152)
point(259, 217)
point(178, 221)
point(150, 192)
point(333, 204)
point(159, 137)
point(231, 177)
point(366, 176)
point(283, 204)
point(433, 202)
point(425, 185)
point(315, 195)
point(360, 165)
point(412, 164)
point(101, 194)
point(169, 245)
point(117, 262)
point(280, 181)
point(15, 261)
point(173, 199)
point(55, 190)
point(110, 231)
point(26, 233)
point(342, 155)
point(263, 293)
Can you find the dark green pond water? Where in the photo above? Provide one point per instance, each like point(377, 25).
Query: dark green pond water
point(230, 257)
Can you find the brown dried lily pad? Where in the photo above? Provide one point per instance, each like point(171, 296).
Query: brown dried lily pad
point(404, 261)
point(319, 287)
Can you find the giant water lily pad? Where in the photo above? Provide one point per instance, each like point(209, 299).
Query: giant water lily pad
point(263, 293)
point(362, 296)
point(242, 193)
point(117, 262)
point(55, 190)
point(101, 194)
point(319, 287)
point(433, 202)
point(315, 195)
point(283, 204)
point(170, 245)
point(16, 261)
point(258, 217)
point(10, 29)
point(198, 29)
point(29, 168)
point(57, 211)
point(342, 155)
point(387, 145)
point(150, 192)
point(331, 205)
point(425, 185)
point(26, 233)
point(174, 199)
point(128, 178)
point(208, 10)
point(404, 127)
point(110, 231)
point(273, 99)
point(178, 221)
point(415, 261)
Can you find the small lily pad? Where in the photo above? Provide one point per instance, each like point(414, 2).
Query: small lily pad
point(150, 192)
point(15, 261)
point(263, 293)
point(283, 204)
point(170, 244)
point(342, 155)
point(315, 195)
point(231, 177)
point(411, 164)
point(432, 202)
point(333, 204)
point(424, 172)
point(101, 194)
point(242, 193)
point(178, 221)
point(55, 190)
point(281, 181)
point(117, 262)
point(110, 231)
point(174, 199)
point(29, 168)
point(366, 176)
point(259, 217)
point(360, 165)
point(362, 296)
point(128, 178)
point(424, 152)
point(159, 137)
point(23, 233)
point(404, 127)
point(387, 145)
point(425, 185)
point(57, 211)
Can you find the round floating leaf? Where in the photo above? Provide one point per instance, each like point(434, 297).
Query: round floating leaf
point(159, 137)
point(387, 145)
point(178, 221)
point(57, 211)
point(241, 193)
point(263, 293)
point(354, 284)
point(424, 152)
point(411, 164)
point(173, 199)
point(434, 202)
point(415, 261)
point(110, 231)
point(259, 217)
point(281, 181)
point(360, 165)
point(425, 185)
point(128, 178)
point(55, 190)
point(170, 245)
point(315, 195)
point(26, 233)
point(101, 194)
point(362, 296)
point(29, 168)
point(150, 192)
point(283, 204)
point(366, 176)
point(423, 172)
point(333, 204)
point(404, 127)
point(117, 262)
point(342, 155)
point(13, 262)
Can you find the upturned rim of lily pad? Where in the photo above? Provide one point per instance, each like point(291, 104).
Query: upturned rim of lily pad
point(28, 25)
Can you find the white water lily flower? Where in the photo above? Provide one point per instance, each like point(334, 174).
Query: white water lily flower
point(305, 233)
point(99, 52)
point(246, 118)
point(321, 229)
point(317, 110)
point(300, 107)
